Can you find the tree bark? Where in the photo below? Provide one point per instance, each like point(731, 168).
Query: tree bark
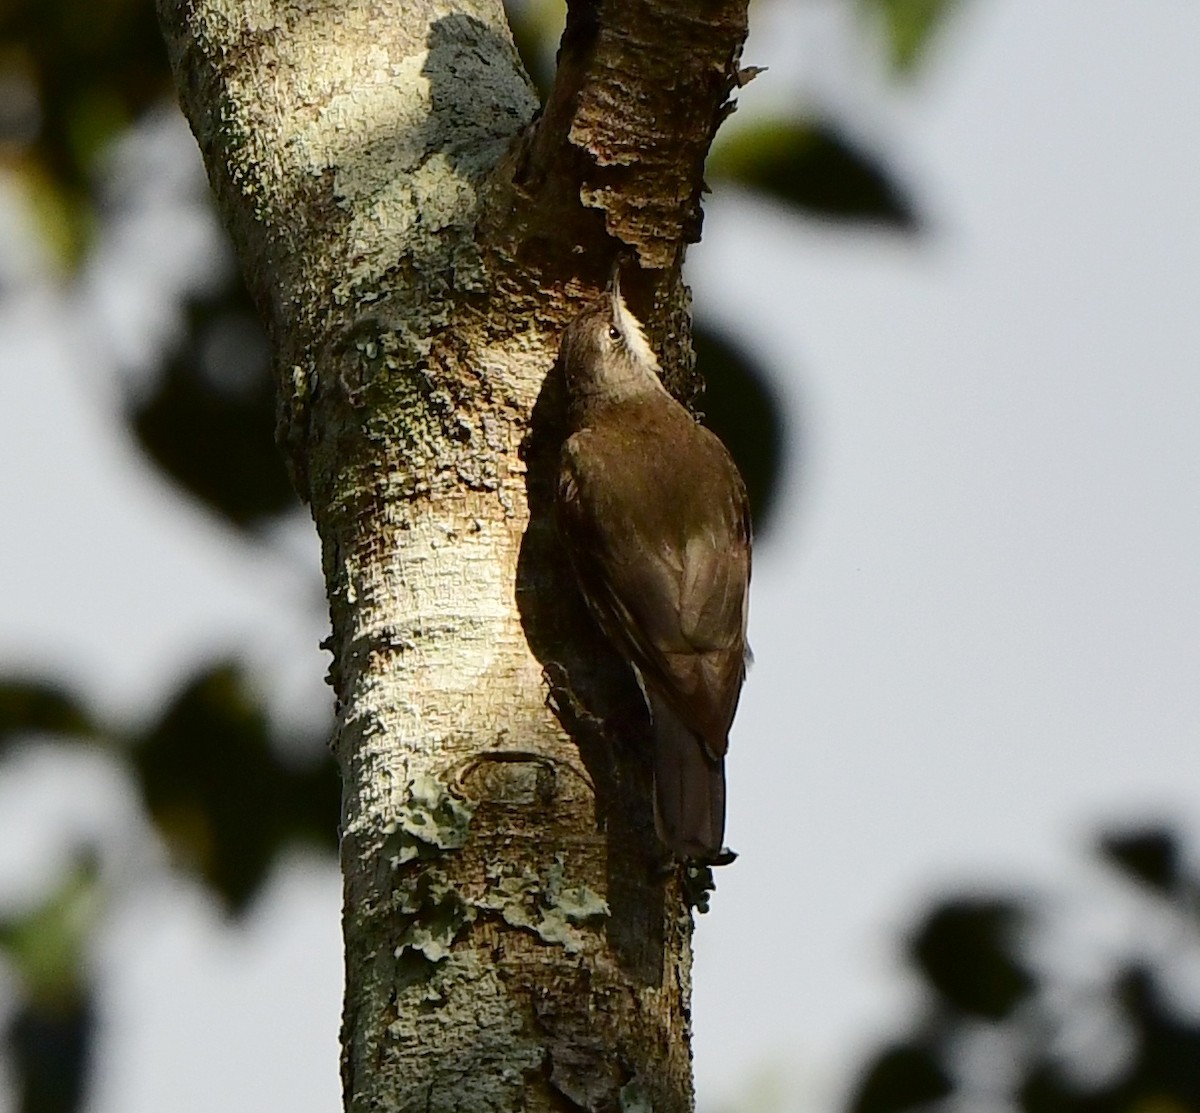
point(415, 241)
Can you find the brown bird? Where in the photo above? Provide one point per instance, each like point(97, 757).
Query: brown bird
point(654, 515)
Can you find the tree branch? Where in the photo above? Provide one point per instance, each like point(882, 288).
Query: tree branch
point(641, 89)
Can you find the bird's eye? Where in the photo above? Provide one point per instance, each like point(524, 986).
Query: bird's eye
point(614, 333)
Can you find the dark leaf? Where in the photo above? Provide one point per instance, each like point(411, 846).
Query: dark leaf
point(34, 706)
point(1166, 1067)
point(965, 951)
point(221, 793)
point(741, 408)
point(50, 1044)
point(902, 1077)
point(1046, 1089)
point(1150, 856)
point(210, 420)
point(814, 167)
point(910, 25)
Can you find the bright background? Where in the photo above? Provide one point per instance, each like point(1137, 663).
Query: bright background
point(976, 619)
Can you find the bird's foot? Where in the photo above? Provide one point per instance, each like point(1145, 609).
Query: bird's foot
point(562, 700)
point(698, 881)
point(698, 885)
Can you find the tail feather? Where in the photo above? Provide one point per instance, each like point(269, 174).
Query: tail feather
point(689, 787)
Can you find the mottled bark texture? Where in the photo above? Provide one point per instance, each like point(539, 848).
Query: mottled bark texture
point(416, 237)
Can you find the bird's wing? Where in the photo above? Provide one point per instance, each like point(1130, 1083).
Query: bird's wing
point(677, 606)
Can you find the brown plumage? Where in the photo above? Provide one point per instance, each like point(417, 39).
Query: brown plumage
point(654, 515)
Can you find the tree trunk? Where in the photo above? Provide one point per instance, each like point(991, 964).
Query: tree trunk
point(415, 243)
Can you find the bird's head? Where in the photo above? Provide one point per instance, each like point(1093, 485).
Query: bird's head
point(605, 355)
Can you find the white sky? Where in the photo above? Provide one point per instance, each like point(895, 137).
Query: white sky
point(976, 621)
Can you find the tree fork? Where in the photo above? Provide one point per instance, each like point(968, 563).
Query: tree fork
point(415, 241)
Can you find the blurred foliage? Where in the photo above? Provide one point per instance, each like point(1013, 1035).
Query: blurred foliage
point(50, 1045)
point(49, 1038)
point(1048, 1043)
point(909, 26)
point(814, 167)
point(209, 419)
point(45, 946)
point(73, 77)
point(537, 26)
point(221, 790)
point(903, 1076)
point(227, 795)
point(38, 707)
point(965, 951)
point(1150, 856)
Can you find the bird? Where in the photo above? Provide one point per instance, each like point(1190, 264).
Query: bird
point(655, 519)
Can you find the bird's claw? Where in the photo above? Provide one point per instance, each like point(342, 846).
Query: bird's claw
point(698, 885)
point(562, 700)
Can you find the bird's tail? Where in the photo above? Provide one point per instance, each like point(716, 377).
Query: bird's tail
point(689, 787)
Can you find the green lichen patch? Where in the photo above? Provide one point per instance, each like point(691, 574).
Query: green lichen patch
point(426, 916)
point(434, 913)
point(429, 823)
point(544, 906)
point(578, 904)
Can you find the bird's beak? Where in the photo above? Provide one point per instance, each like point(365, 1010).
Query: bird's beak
point(614, 290)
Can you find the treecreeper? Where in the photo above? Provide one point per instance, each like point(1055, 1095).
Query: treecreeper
point(654, 516)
